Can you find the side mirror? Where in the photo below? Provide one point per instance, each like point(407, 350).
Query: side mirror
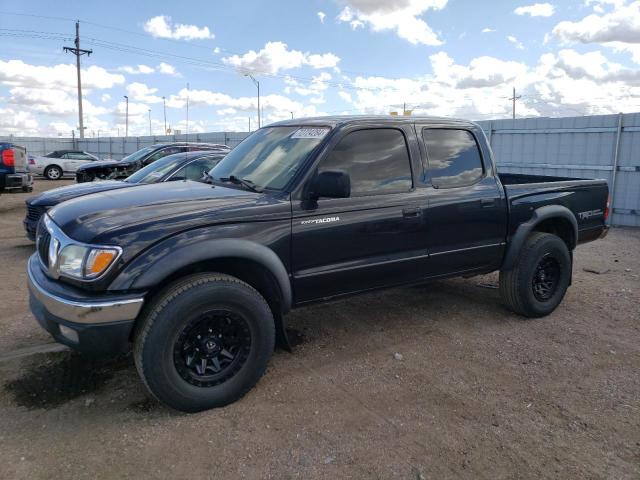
point(331, 184)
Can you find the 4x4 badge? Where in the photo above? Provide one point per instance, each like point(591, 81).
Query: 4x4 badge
point(320, 220)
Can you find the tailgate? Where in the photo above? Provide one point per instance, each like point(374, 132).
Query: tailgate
point(20, 159)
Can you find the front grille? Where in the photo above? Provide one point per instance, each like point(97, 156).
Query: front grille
point(44, 238)
point(34, 212)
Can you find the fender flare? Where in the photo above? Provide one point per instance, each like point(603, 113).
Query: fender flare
point(524, 229)
point(153, 266)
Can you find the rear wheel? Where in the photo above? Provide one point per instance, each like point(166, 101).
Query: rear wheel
point(538, 282)
point(204, 342)
point(53, 172)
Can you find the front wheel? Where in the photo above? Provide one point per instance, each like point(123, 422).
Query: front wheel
point(538, 282)
point(204, 342)
point(53, 172)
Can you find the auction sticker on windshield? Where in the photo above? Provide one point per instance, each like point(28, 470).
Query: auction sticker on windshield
point(310, 133)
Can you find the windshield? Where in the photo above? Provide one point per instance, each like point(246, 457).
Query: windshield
point(139, 154)
point(269, 157)
point(156, 170)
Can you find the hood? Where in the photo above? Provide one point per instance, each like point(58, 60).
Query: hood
point(146, 214)
point(103, 163)
point(62, 194)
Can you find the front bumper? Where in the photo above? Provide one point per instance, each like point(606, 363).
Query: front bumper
point(91, 323)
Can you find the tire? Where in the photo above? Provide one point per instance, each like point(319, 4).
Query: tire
point(53, 172)
point(165, 341)
point(538, 282)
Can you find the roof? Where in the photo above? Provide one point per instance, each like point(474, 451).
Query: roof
point(339, 120)
point(180, 144)
point(197, 154)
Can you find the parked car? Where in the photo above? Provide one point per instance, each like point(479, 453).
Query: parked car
point(54, 165)
point(14, 171)
point(199, 277)
point(115, 169)
point(179, 166)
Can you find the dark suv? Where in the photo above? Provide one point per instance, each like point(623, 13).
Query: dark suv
point(14, 171)
point(117, 169)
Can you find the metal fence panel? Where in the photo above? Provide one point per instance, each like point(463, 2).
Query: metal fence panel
point(581, 147)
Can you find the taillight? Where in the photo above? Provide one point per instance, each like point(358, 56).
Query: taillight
point(607, 208)
point(8, 158)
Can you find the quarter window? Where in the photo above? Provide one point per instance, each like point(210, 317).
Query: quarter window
point(377, 161)
point(453, 157)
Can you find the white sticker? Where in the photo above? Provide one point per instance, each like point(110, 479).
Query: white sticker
point(310, 132)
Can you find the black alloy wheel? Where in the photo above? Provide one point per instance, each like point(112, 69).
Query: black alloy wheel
point(212, 348)
point(546, 278)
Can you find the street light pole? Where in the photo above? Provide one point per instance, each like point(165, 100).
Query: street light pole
point(164, 109)
point(126, 128)
point(150, 122)
point(257, 84)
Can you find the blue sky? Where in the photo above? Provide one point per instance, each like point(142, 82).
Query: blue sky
point(453, 58)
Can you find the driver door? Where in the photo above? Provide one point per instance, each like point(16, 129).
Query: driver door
point(345, 245)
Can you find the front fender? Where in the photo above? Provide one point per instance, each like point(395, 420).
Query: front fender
point(151, 267)
point(523, 231)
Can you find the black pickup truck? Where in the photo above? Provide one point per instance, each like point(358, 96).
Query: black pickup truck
point(199, 277)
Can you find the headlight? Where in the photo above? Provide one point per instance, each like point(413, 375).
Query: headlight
point(85, 262)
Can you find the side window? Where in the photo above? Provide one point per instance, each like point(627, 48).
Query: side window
point(162, 153)
point(377, 161)
point(195, 170)
point(453, 157)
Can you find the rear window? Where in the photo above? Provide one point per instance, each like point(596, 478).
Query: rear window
point(453, 157)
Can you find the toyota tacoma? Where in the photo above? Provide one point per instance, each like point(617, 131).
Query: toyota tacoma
point(200, 276)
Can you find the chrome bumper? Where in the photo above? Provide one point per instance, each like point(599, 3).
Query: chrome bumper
point(85, 311)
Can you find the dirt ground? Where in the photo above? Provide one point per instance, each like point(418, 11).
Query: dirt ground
point(475, 392)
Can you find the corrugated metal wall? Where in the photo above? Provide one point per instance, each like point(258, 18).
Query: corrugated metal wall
point(583, 147)
point(118, 147)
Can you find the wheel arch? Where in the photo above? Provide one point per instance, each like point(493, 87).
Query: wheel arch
point(555, 219)
point(254, 264)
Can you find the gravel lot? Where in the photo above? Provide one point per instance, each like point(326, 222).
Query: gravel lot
point(475, 391)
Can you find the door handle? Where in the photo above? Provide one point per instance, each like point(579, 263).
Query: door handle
point(487, 202)
point(411, 212)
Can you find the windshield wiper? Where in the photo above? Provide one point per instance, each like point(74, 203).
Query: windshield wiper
point(242, 181)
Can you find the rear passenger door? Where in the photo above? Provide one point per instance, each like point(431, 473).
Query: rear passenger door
point(467, 214)
point(344, 245)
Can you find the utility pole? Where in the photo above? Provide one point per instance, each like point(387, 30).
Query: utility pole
point(164, 109)
point(78, 52)
point(249, 124)
point(257, 84)
point(291, 115)
point(150, 123)
point(126, 128)
point(514, 98)
point(186, 136)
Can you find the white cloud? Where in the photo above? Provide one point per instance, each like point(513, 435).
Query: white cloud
point(620, 25)
point(488, 30)
point(515, 42)
point(562, 84)
point(216, 50)
point(401, 16)
point(536, 10)
point(140, 69)
point(315, 87)
point(276, 56)
point(168, 69)
point(142, 93)
point(275, 106)
point(162, 27)
point(61, 76)
point(321, 16)
point(105, 97)
point(17, 122)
